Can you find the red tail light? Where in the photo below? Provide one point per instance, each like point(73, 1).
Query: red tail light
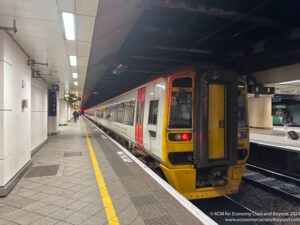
point(185, 137)
point(180, 136)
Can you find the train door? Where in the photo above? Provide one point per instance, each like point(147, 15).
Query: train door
point(216, 121)
point(140, 118)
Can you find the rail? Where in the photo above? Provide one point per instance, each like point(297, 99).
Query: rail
point(284, 185)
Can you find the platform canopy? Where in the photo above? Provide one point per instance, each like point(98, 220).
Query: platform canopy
point(137, 40)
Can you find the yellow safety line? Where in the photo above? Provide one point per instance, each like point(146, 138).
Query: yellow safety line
point(109, 208)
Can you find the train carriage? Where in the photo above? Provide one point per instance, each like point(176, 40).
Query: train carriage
point(192, 122)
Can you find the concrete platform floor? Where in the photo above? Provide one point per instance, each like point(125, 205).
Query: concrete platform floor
point(61, 187)
point(276, 137)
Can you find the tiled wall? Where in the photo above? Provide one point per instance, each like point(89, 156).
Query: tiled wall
point(15, 121)
point(39, 112)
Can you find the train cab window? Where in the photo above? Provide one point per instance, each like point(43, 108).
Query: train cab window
point(153, 110)
point(242, 121)
point(184, 82)
point(181, 110)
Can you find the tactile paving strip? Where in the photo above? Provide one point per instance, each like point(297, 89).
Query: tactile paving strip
point(41, 171)
point(71, 154)
point(164, 220)
point(143, 200)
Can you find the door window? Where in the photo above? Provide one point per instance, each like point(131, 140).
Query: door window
point(153, 110)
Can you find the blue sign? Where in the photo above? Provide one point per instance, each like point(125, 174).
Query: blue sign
point(52, 107)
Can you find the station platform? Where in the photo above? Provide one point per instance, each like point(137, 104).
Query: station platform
point(275, 138)
point(81, 176)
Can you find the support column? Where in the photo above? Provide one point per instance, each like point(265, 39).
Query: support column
point(260, 111)
point(63, 107)
point(70, 112)
point(63, 112)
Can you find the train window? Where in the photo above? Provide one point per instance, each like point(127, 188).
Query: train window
point(102, 112)
point(120, 113)
point(181, 110)
point(186, 82)
point(109, 113)
point(242, 121)
point(153, 110)
point(114, 112)
point(98, 113)
point(129, 112)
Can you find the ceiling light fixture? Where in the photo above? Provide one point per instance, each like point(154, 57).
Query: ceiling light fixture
point(76, 83)
point(69, 25)
point(75, 75)
point(73, 60)
point(290, 82)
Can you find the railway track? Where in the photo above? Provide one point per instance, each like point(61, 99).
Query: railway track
point(284, 185)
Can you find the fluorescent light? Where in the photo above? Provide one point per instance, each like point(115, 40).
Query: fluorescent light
point(76, 83)
point(75, 75)
point(73, 60)
point(69, 25)
point(290, 82)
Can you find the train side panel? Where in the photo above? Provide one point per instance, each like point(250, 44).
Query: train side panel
point(127, 131)
point(153, 118)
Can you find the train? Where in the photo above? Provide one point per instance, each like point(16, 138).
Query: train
point(193, 122)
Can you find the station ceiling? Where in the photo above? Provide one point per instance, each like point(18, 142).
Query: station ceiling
point(40, 34)
point(248, 36)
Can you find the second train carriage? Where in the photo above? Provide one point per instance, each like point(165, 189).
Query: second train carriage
point(193, 122)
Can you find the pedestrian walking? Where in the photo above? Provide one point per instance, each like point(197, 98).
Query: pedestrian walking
point(76, 116)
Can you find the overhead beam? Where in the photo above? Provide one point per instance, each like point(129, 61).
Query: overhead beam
point(194, 6)
point(279, 50)
point(177, 38)
point(161, 59)
point(179, 49)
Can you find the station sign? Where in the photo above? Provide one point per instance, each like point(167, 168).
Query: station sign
point(75, 104)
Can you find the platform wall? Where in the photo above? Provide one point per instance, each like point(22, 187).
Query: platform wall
point(15, 121)
point(39, 112)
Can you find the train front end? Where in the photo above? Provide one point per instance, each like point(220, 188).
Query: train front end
point(206, 143)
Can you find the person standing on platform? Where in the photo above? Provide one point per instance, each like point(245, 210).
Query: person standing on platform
point(76, 116)
point(286, 120)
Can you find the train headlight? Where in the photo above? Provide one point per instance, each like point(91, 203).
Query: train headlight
point(242, 134)
point(180, 136)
